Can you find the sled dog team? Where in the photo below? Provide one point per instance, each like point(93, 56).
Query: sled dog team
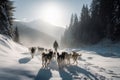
point(62, 58)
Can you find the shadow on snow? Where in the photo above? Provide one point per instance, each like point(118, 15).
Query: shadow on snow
point(15, 74)
point(66, 73)
point(43, 74)
point(24, 60)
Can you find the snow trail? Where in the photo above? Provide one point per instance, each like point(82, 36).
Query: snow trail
point(17, 64)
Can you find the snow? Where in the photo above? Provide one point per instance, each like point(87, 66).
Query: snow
point(16, 63)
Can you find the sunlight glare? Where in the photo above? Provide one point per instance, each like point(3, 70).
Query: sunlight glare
point(52, 14)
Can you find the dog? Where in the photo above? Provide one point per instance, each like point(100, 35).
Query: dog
point(46, 58)
point(75, 57)
point(40, 49)
point(68, 56)
point(46, 50)
point(61, 58)
point(32, 51)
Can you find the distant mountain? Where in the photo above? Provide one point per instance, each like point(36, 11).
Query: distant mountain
point(33, 37)
point(47, 28)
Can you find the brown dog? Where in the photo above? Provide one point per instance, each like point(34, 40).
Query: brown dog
point(75, 57)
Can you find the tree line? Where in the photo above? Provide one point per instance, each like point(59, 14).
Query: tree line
point(6, 20)
point(101, 20)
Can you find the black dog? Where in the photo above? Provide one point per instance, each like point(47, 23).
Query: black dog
point(46, 58)
point(32, 50)
point(60, 58)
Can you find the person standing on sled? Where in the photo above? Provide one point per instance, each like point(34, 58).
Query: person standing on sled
point(55, 46)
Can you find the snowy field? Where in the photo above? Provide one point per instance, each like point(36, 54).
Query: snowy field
point(16, 64)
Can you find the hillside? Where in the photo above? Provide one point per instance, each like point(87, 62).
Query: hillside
point(33, 36)
point(47, 28)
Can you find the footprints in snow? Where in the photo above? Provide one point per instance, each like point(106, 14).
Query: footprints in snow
point(88, 66)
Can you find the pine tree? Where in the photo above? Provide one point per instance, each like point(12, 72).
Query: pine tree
point(75, 22)
point(116, 21)
point(97, 23)
point(16, 37)
point(73, 32)
point(71, 21)
point(84, 25)
point(106, 14)
point(69, 37)
point(6, 13)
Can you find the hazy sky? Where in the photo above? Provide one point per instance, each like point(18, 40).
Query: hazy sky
point(56, 12)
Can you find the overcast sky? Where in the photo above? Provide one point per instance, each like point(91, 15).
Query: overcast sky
point(28, 10)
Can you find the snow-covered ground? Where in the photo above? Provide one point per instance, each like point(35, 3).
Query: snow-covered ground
point(16, 64)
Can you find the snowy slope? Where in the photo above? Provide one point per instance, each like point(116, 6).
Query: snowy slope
point(16, 64)
point(10, 54)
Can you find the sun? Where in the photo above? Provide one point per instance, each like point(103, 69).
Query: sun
point(52, 14)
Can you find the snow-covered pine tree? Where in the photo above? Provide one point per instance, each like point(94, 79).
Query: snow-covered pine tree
point(6, 17)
